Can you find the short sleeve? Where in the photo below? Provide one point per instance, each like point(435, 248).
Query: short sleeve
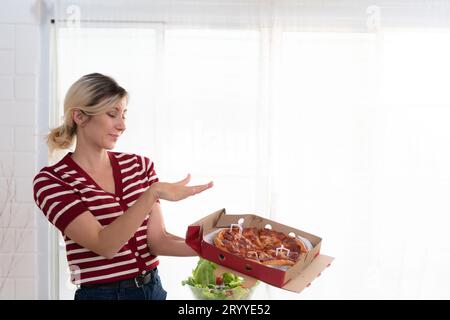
point(150, 172)
point(57, 200)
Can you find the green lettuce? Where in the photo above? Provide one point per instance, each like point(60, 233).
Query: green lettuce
point(205, 285)
point(204, 273)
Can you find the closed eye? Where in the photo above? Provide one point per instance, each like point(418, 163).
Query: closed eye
point(113, 115)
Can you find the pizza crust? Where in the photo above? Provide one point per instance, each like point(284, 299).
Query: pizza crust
point(278, 263)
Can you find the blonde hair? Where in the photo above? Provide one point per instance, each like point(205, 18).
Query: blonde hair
point(92, 94)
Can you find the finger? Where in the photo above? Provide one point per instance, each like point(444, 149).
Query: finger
point(201, 188)
point(185, 180)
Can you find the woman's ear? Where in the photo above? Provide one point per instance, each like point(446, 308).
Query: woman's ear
point(79, 117)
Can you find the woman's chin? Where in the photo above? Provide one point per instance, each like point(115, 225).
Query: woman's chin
point(109, 146)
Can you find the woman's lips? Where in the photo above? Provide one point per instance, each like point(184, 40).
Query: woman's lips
point(114, 136)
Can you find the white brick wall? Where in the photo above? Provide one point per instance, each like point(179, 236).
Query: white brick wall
point(6, 62)
point(6, 36)
point(6, 138)
point(19, 76)
point(6, 87)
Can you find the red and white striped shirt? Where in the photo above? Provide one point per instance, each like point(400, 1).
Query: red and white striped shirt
point(64, 191)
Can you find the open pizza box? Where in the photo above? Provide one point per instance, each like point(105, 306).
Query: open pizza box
point(294, 278)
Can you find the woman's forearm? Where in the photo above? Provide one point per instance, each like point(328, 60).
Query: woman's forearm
point(171, 245)
point(114, 236)
point(174, 237)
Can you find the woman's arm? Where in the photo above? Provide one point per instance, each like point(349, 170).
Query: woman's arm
point(107, 241)
point(162, 243)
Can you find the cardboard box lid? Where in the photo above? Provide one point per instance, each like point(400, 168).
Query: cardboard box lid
point(307, 275)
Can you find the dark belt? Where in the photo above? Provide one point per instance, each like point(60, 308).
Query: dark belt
point(137, 282)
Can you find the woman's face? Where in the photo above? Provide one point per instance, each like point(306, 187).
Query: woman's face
point(104, 130)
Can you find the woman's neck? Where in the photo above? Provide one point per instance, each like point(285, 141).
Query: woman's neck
point(91, 159)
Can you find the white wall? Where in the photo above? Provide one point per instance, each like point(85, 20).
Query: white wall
point(19, 99)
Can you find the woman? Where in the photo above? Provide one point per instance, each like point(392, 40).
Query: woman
point(106, 204)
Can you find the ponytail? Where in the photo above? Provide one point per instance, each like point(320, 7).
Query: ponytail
point(61, 137)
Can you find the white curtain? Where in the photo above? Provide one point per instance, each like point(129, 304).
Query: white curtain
point(330, 117)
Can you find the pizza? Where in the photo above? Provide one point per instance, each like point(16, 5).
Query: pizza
point(265, 246)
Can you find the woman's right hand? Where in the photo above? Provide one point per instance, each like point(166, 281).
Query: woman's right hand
point(178, 190)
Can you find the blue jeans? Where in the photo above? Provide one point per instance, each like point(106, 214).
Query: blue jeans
point(151, 291)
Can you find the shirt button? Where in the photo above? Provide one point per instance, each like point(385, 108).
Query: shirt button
point(136, 254)
point(117, 199)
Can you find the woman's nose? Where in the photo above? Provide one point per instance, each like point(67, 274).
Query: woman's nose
point(121, 125)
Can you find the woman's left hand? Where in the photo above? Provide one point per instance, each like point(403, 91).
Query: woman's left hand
point(178, 190)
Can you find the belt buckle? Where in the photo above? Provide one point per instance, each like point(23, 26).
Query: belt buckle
point(140, 279)
point(139, 283)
